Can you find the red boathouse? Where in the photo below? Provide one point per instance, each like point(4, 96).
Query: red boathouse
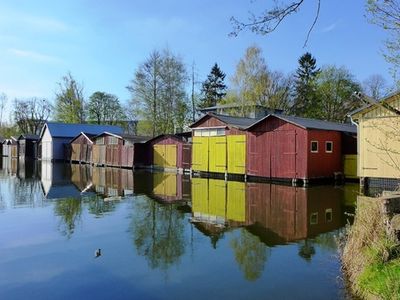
point(288, 147)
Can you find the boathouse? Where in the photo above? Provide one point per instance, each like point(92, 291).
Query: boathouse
point(14, 147)
point(118, 150)
point(80, 148)
point(219, 144)
point(6, 147)
point(170, 151)
point(288, 147)
point(379, 143)
point(28, 146)
point(54, 137)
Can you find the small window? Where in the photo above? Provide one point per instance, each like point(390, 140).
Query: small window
point(314, 146)
point(197, 132)
point(113, 140)
point(328, 215)
point(329, 147)
point(314, 218)
point(221, 131)
point(100, 141)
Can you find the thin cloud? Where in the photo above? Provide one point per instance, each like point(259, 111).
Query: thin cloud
point(36, 56)
point(330, 28)
point(16, 19)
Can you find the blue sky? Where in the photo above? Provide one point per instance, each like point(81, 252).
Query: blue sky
point(102, 42)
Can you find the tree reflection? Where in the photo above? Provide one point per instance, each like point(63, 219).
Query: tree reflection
point(306, 250)
point(70, 210)
point(158, 233)
point(250, 254)
point(98, 207)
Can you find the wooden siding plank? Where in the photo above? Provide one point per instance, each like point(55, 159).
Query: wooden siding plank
point(350, 166)
point(236, 145)
point(200, 154)
point(217, 154)
point(170, 155)
point(236, 201)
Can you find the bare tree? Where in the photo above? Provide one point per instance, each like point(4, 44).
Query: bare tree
point(386, 14)
point(3, 102)
point(31, 114)
point(375, 86)
point(269, 20)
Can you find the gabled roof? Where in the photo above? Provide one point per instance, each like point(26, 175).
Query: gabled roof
point(90, 137)
point(370, 106)
point(28, 137)
point(237, 122)
point(178, 137)
point(128, 137)
point(63, 130)
point(311, 123)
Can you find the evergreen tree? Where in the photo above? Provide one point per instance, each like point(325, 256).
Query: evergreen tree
point(305, 100)
point(213, 88)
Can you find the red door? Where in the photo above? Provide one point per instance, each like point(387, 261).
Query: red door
point(283, 156)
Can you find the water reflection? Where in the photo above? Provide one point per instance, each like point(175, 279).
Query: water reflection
point(166, 217)
point(158, 233)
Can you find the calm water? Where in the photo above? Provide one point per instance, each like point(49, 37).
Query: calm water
point(164, 236)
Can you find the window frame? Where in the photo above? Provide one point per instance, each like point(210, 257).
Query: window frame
point(326, 146)
point(311, 147)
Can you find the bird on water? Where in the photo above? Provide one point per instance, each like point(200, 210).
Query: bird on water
point(97, 253)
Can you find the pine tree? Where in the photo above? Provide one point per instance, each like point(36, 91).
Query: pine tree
point(305, 100)
point(213, 88)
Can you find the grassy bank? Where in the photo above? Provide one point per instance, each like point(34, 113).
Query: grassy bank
point(371, 255)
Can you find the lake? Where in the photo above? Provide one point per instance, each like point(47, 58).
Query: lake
point(165, 235)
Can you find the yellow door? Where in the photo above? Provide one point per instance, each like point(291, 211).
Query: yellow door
point(350, 165)
point(158, 155)
point(200, 196)
point(217, 198)
point(217, 154)
point(236, 201)
point(170, 155)
point(164, 184)
point(200, 154)
point(236, 154)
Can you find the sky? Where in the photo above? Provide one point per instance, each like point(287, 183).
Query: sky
point(103, 42)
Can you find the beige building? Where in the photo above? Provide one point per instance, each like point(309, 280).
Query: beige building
point(379, 139)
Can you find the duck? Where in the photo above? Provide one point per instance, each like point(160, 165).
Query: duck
point(97, 253)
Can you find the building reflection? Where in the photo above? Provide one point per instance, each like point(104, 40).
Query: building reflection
point(277, 214)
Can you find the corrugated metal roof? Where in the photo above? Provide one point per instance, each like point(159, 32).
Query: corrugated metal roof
point(135, 138)
point(313, 123)
point(28, 137)
point(238, 122)
point(72, 130)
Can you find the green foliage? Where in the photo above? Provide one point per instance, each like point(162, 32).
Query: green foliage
point(251, 78)
point(382, 279)
point(8, 131)
point(158, 233)
point(334, 90)
point(213, 88)
point(70, 211)
point(250, 254)
point(305, 100)
point(105, 109)
point(254, 84)
point(158, 92)
point(386, 14)
point(69, 101)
